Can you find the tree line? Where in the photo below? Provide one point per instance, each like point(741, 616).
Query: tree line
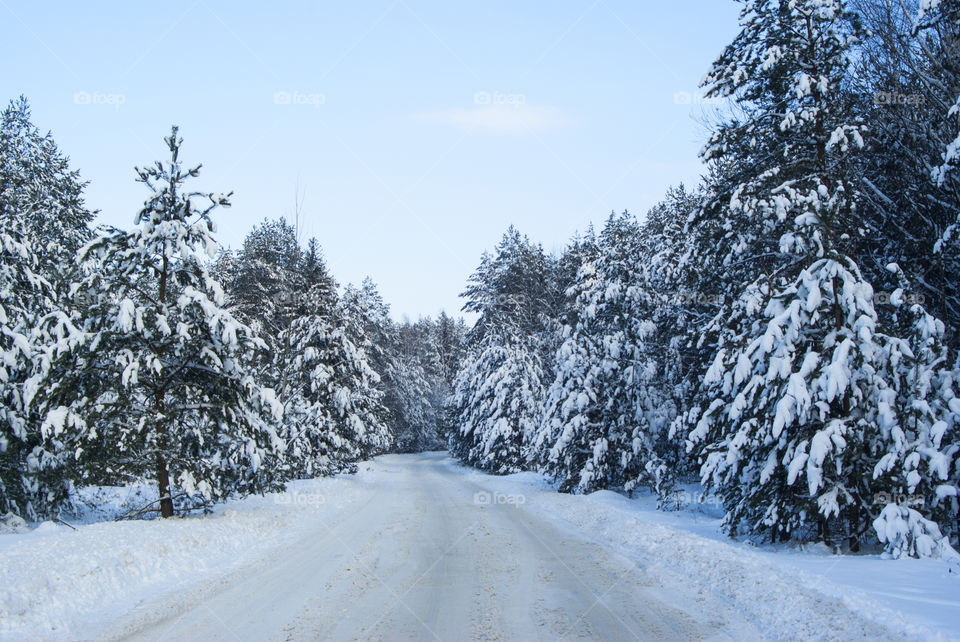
point(786, 331)
point(150, 355)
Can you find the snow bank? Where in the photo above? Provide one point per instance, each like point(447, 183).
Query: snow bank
point(785, 592)
point(63, 583)
point(11, 523)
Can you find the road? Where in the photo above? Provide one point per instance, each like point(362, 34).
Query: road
point(433, 556)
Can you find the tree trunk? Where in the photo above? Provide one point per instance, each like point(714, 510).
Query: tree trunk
point(854, 539)
point(163, 474)
point(163, 481)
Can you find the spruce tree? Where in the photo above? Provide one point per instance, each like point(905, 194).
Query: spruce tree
point(334, 415)
point(38, 186)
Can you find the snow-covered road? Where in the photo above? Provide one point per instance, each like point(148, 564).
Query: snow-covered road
point(432, 555)
point(419, 547)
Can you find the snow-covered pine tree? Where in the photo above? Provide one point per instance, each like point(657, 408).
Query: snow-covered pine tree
point(905, 82)
point(596, 431)
point(38, 186)
point(789, 434)
point(498, 392)
point(510, 289)
point(314, 274)
point(943, 16)
point(42, 222)
point(33, 483)
point(414, 387)
point(414, 418)
point(498, 397)
point(448, 342)
point(314, 445)
point(362, 313)
point(679, 300)
point(334, 417)
point(156, 380)
point(580, 249)
point(269, 278)
point(918, 471)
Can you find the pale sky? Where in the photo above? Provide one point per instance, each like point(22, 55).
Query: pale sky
point(417, 130)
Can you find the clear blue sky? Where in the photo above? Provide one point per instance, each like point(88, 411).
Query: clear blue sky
point(418, 130)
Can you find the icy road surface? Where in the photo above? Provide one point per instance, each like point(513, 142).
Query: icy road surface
point(432, 555)
point(417, 547)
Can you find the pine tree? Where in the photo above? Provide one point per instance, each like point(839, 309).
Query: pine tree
point(943, 16)
point(33, 483)
point(362, 313)
point(497, 393)
point(269, 277)
point(157, 376)
point(790, 435)
point(416, 387)
point(42, 223)
point(596, 429)
point(38, 186)
point(334, 416)
point(679, 297)
point(315, 275)
point(905, 82)
point(448, 341)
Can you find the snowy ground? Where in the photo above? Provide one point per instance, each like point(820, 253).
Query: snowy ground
point(416, 547)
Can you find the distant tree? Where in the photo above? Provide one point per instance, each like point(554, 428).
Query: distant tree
point(334, 417)
point(268, 277)
point(33, 482)
point(498, 396)
point(498, 391)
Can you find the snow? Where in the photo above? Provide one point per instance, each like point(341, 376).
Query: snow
point(786, 591)
point(107, 576)
point(63, 584)
point(11, 523)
